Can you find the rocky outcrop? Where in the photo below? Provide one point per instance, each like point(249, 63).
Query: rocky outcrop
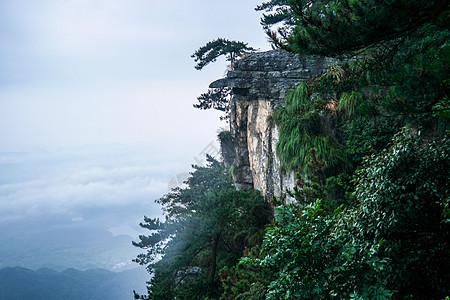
point(259, 85)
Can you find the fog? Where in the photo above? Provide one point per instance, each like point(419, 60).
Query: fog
point(70, 197)
point(96, 120)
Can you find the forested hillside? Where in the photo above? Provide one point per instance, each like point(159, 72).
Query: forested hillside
point(369, 143)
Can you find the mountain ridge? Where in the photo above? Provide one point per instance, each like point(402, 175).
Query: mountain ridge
point(70, 284)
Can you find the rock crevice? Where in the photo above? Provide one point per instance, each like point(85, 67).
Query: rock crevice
point(259, 85)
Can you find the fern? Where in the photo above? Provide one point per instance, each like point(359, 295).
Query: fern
point(336, 72)
point(301, 130)
point(297, 99)
point(349, 101)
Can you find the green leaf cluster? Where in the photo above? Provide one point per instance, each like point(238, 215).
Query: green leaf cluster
point(392, 242)
point(216, 98)
point(219, 98)
point(369, 143)
point(208, 225)
point(209, 53)
point(277, 13)
point(339, 27)
point(305, 134)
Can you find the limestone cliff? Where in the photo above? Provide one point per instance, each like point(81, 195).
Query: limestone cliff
point(259, 85)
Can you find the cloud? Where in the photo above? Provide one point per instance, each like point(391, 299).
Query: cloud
point(75, 193)
point(99, 184)
point(101, 71)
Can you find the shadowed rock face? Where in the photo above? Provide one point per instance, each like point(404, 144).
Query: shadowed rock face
point(259, 85)
point(270, 75)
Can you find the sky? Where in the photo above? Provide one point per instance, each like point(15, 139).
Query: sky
point(96, 116)
point(98, 71)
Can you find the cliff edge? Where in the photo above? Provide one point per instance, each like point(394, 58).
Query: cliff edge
point(259, 84)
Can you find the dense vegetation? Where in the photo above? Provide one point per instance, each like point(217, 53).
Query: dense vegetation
point(208, 226)
point(369, 143)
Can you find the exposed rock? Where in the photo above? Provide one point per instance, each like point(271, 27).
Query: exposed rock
point(188, 275)
point(259, 85)
point(227, 148)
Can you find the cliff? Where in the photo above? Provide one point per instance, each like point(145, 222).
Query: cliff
point(259, 84)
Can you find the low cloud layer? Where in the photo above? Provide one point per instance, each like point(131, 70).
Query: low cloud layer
point(93, 188)
point(89, 183)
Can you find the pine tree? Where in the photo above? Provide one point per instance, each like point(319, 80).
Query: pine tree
point(208, 225)
point(232, 50)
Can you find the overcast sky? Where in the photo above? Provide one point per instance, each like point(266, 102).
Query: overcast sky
point(96, 116)
point(98, 71)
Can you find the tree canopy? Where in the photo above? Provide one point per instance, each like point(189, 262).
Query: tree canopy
point(337, 27)
point(208, 53)
point(218, 98)
point(208, 225)
point(391, 243)
point(369, 143)
point(368, 140)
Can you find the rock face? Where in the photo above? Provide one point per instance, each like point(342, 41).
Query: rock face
point(259, 85)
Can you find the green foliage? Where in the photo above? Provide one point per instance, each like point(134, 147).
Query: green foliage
point(366, 136)
point(348, 102)
point(277, 14)
point(339, 27)
point(303, 128)
point(442, 109)
point(402, 193)
point(401, 82)
point(246, 280)
point(227, 146)
point(217, 98)
point(276, 11)
point(371, 215)
point(207, 226)
point(292, 252)
point(392, 242)
point(208, 53)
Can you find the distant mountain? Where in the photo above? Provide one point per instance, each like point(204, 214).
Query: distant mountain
point(46, 284)
point(59, 243)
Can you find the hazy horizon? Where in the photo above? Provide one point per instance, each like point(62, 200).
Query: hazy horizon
point(96, 120)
